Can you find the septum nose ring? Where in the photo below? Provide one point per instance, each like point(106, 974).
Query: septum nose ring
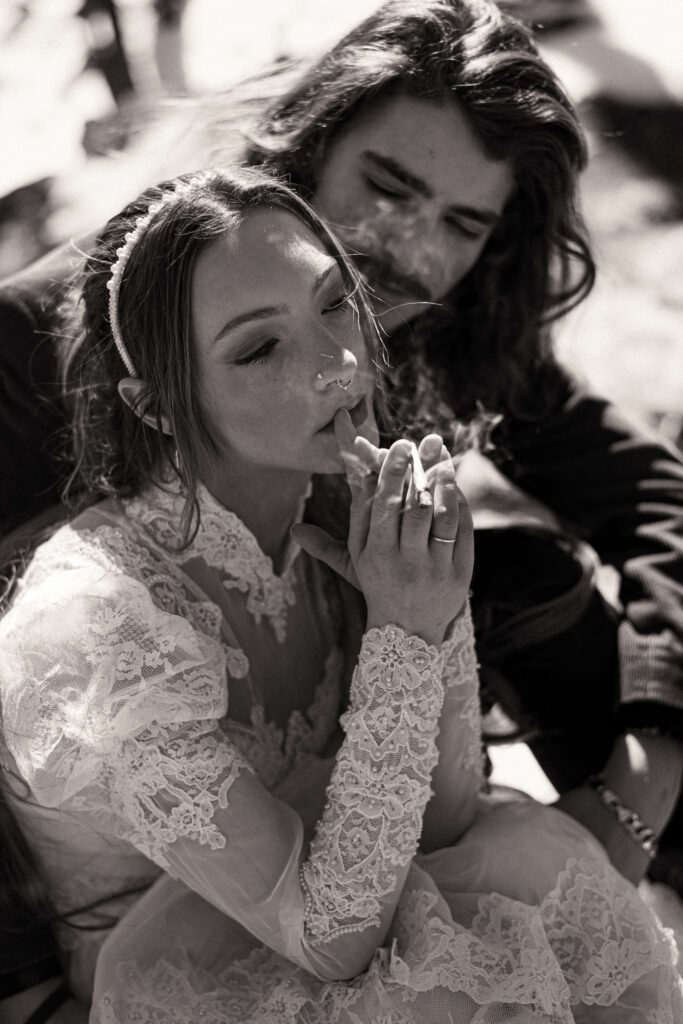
point(344, 385)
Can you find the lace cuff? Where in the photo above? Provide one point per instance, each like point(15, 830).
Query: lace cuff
point(381, 783)
point(459, 654)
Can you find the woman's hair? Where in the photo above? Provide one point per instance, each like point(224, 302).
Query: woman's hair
point(116, 452)
point(491, 335)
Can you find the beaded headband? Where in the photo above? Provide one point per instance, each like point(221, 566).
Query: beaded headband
point(131, 238)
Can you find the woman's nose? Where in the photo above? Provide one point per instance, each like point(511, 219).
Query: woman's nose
point(338, 367)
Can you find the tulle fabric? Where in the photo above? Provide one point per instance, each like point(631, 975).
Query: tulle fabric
point(502, 927)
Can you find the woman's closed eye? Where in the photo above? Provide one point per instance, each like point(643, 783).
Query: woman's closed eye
point(340, 300)
point(258, 355)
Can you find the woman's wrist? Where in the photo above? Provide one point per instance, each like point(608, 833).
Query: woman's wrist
point(433, 635)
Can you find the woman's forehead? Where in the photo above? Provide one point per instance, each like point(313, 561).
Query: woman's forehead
point(269, 258)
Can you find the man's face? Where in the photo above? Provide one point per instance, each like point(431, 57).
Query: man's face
point(410, 190)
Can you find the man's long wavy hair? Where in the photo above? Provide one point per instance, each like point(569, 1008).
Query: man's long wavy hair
point(491, 338)
point(117, 452)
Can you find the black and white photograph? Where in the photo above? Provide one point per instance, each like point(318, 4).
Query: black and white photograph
point(341, 512)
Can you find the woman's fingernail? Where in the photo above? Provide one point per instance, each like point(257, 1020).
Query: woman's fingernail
point(431, 448)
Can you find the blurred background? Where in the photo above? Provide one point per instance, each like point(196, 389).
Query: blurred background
point(84, 86)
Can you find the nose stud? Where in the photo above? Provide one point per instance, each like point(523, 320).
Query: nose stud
point(344, 385)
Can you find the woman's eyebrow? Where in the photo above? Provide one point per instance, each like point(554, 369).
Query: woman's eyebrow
point(481, 214)
point(323, 276)
point(255, 314)
point(268, 311)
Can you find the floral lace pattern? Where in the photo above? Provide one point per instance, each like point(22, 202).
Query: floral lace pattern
point(225, 543)
point(121, 662)
point(603, 935)
point(274, 752)
point(380, 784)
point(125, 685)
point(461, 683)
point(167, 783)
point(511, 964)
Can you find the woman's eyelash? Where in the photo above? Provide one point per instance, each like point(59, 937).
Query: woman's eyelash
point(339, 302)
point(259, 355)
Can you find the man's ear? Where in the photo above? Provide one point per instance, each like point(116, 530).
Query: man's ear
point(133, 391)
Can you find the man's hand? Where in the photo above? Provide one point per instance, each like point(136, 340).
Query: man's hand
point(645, 772)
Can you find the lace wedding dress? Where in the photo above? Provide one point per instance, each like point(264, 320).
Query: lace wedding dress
point(173, 715)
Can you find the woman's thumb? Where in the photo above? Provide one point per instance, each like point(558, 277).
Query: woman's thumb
point(320, 545)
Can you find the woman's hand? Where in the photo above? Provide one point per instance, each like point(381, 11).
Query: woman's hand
point(410, 546)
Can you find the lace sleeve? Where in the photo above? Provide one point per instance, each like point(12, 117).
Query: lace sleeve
point(89, 661)
point(370, 827)
point(459, 775)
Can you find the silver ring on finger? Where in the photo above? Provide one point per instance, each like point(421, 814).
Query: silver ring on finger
point(442, 540)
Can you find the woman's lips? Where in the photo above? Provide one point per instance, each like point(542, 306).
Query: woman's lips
point(358, 413)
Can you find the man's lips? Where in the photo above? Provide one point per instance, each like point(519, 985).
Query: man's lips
point(385, 279)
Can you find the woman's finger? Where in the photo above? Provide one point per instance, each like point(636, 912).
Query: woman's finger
point(387, 504)
point(430, 450)
point(360, 513)
point(360, 455)
point(417, 511)
point(320, 545)
point(463, 558)
point(444, 529)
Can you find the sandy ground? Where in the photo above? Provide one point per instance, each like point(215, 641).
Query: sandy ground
point(627, 340)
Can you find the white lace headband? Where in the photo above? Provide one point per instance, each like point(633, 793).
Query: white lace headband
point(132, 237)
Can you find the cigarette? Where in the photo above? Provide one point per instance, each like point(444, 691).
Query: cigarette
point(424, 497)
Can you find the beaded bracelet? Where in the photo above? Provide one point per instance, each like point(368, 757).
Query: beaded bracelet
point(629, 820)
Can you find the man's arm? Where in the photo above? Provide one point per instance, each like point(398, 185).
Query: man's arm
point(622, 490)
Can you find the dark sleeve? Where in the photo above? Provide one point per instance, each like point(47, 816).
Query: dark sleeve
point(31, 414)
point(621, 489)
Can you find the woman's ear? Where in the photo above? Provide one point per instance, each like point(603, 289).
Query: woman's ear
point(134, 391)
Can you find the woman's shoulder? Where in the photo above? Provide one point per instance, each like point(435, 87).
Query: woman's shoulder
point(92, 654)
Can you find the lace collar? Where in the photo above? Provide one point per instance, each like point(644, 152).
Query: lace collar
point(223, 542)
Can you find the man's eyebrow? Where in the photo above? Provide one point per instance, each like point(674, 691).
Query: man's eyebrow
point(268, 311)
point(387, 163)
point(480, 214)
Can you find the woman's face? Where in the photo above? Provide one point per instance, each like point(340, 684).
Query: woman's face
point(279, 347)
point(411, 192)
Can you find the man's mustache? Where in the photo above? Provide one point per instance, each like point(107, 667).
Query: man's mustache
point(384, 271)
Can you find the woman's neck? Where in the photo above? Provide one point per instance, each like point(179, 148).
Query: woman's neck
point(267, 502)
